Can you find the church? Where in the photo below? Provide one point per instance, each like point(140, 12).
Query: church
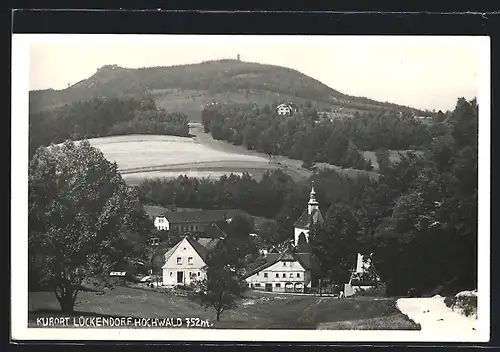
point(293, 269)
point(311, 216)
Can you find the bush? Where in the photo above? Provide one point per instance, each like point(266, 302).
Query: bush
point(466, 305)
point(307, 165)
point(379, 290)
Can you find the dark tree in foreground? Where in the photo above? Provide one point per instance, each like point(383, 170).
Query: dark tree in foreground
point(83, 219)
point(335, 243)
point(221, 288)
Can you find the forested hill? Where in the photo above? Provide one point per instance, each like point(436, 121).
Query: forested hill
point(189, 87)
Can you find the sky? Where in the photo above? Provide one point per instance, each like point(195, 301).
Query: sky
point(423, 73)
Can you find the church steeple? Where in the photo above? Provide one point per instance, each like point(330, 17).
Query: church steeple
point(313, 203)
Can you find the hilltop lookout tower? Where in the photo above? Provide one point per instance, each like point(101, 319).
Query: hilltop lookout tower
point(238, 57)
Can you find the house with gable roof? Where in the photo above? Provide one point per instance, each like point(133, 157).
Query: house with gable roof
point(184, 262)
point(292, 269)
point(283, 272)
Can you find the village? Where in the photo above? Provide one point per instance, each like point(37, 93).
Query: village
point(289, 269)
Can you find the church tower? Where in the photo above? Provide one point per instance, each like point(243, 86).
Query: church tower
point(312, 215)
point(313, 204)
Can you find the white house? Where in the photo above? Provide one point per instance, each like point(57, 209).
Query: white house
point(284, 109)
point(161, 223)
point(283, 272)
point(184, 263)
point(312, 215)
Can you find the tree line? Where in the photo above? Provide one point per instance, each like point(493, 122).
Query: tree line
point(418, 222)
point(309, 136)
point(276, 196)
point(101, 117)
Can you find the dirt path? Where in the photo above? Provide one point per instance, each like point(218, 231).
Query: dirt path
point(290, 166)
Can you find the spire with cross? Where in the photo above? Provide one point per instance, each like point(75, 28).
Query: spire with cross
point(313, 203)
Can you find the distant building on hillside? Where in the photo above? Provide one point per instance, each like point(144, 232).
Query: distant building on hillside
point(285, 109)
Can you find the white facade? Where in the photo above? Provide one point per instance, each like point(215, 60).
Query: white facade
point(161, 223)
point(282, 276)
point(284, 109)
point(183, 266)
point(361, 265)
point(297, 231)
point(312, 206)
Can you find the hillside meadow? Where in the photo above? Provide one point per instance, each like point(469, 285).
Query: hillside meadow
point(192, 102)
point(256, 311)
point(150, 156)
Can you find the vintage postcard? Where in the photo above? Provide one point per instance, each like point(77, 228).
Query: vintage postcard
point(250, 188)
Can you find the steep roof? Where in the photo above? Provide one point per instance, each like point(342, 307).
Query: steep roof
point(198, 247)
point(305, 219)
point(208, 243)
point(202, 216)
point(154, 211)
point(213, 231)
point(303, 258)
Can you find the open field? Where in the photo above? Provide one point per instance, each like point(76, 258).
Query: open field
point(150, 156)
point(256, 311)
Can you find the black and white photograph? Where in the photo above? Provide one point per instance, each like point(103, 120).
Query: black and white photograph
point(250, 188)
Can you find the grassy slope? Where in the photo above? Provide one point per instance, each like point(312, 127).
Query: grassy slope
point(258, 311)
point(150, 156)
point(189, 87)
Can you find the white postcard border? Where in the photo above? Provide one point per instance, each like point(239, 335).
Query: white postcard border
point(19, 196)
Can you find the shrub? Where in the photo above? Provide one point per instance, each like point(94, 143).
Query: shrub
point(466, 305)
point(379, 290)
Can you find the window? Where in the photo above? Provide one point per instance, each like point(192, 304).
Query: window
point(179, 260)
point(298, 274)
point(190, 260)
point(184, 248)
point(198, 273)
point(278, 285)
point(265, 274)
point(284, 275)
point(171, 273)
point(277, 275)
point(284, 263)
point(257, 285)
point(258, 274)
point(291, 274)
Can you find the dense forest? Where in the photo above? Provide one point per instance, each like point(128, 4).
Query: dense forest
point(418, 220)
point(103, 117)
point(309, 136)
